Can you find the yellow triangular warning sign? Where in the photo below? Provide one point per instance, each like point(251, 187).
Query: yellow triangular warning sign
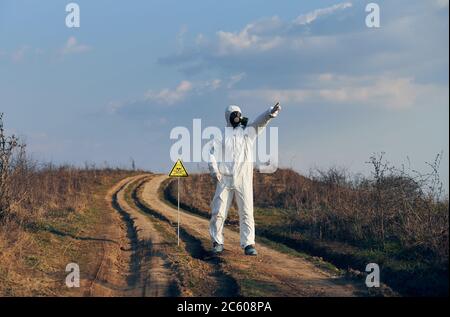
point(178, 170)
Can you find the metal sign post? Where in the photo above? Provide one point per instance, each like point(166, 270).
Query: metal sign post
point(178, 171)
point(178, 214)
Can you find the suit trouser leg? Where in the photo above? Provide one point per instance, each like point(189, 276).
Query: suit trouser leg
point(244, 200)
point(219, 210)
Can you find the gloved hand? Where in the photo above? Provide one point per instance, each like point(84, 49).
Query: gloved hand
point(217, 176)
point(275, 110)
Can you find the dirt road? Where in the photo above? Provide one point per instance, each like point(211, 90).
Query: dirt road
point(140, 267)
point(150, 263)
point(271, 273)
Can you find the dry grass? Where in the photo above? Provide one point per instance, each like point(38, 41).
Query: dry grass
point(398, 217)
point(332, 205)
point(34, 200)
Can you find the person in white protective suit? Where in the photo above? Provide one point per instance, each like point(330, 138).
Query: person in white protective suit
point(231, 165)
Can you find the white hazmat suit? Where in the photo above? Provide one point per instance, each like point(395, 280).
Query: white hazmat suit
point(231, 163)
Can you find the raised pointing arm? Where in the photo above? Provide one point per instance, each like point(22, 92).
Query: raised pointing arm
point(264, 118)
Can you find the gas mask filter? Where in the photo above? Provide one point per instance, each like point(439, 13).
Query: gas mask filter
point(236, 119)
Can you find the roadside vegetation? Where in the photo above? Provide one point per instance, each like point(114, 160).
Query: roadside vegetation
point(396, 217)
point(48, 215)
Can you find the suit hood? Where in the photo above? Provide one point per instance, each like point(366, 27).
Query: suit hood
point(228, 112)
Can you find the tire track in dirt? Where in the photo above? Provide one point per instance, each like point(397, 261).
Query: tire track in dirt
point(225, 285)
point(139, 269)
point(277, 273)
point(152, 276)
point(111, 275)
point(98, 271)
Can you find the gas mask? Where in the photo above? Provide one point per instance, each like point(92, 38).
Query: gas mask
point(237, 119)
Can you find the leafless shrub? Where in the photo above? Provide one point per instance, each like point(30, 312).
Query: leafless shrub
point(400, 206)
point(29, 189)
point(393, 205)
point(10, 154)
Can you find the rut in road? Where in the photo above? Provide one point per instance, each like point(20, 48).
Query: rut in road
point(287, 275)
point(152, 275)
point(116, 268)
point(142, 269)
point(224, 284)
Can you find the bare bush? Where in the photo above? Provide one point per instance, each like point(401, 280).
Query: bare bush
point(10, 151)
point(393, 206)
point(29, 189)
point(404, 207)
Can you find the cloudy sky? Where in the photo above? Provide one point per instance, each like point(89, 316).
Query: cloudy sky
point(113, 89)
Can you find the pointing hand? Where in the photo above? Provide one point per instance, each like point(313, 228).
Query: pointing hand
point(275, 110)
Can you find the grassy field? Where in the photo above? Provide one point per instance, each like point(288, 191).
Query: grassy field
point(53, 215)
point(324, 218)
point(36, 247)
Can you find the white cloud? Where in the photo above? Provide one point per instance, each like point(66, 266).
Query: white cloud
point(180, 37)
point(39, 51)
point(257, 38)
point(155, 122)
point(229, 42)
point(19, 54)
point(168, 96)
point(114, 106)
point(234, 79)
point(325, 77)
point(200, 39)
point(267, 34)
point(213, 84)
point(410, 44)
point(392, 93)
point(73, 47)
point(313, 15)
point(184, 90)
point(70, 47)
point(443, 4)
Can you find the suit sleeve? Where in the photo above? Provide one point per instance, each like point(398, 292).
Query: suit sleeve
point(212, 163)
point(262, 120)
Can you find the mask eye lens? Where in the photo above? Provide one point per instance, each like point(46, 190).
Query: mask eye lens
point(235, 117)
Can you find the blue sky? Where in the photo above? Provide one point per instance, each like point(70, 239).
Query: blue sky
point(113, 89)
